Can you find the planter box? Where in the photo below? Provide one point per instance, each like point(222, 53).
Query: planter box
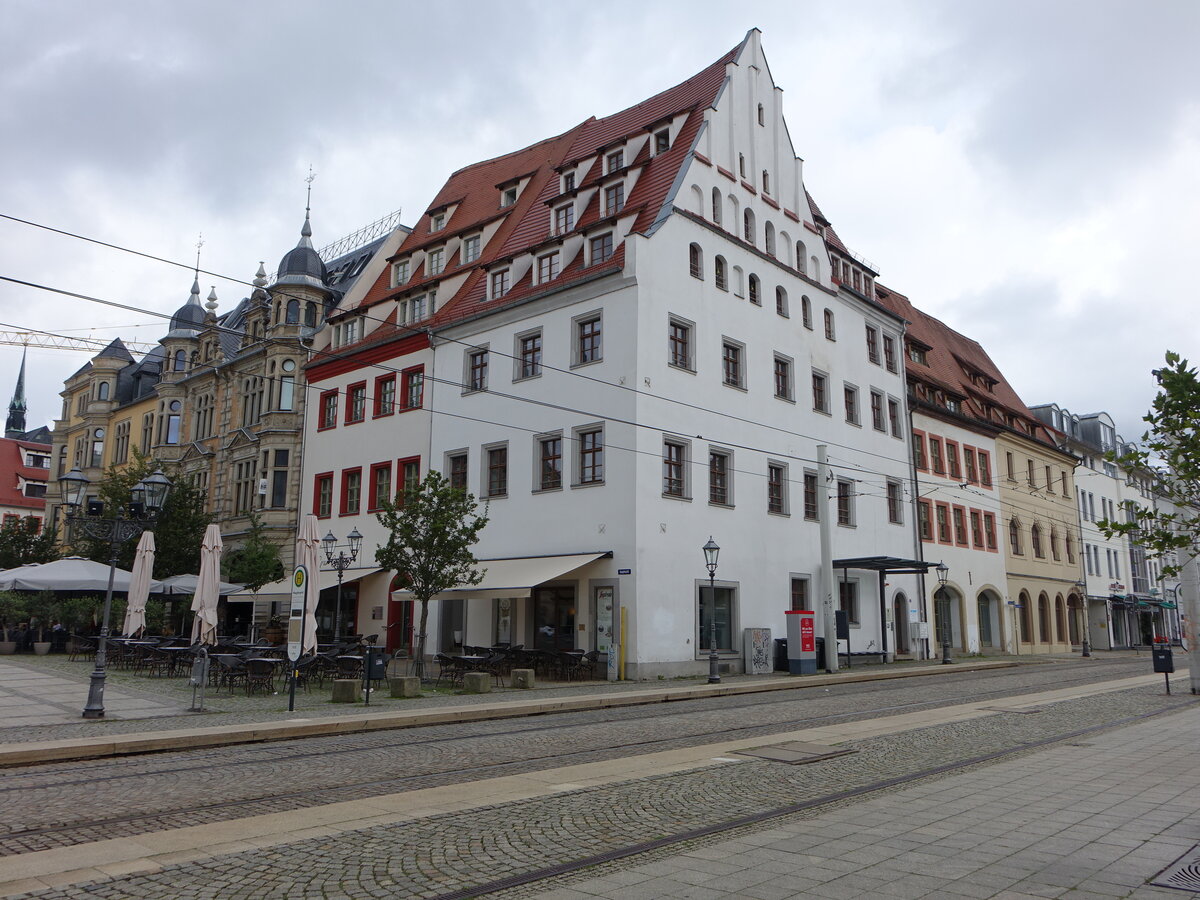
point(8, 647)
point(41, 648)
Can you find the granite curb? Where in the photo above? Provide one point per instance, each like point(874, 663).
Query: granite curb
point(37, 752)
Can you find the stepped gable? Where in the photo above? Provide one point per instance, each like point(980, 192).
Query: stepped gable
point(526, 226)
point(949, 352)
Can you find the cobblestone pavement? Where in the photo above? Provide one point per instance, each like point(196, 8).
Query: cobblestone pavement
point(62, 804)
point(436, 855)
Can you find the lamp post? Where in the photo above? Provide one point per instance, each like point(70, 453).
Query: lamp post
point(1084, 645)
point(943, 571)
point(340, 563)
point(711, 551)
point(146, 501)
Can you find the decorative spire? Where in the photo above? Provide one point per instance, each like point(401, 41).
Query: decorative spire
point(306, 230)
point(260, 277)
point(194, 298)
point(15, 426)
point(211, 305)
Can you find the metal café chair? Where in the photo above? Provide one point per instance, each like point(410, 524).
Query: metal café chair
point(260, 676)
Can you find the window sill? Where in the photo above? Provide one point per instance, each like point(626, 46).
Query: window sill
point(496, 496)
point(547, 490)
point(785, 399)
point(587, 484)
point(519, 378)
point(782, 515)
point(736, 387)
point(855, 424)
point(381, 415)
point(681, 497)
point(847, 525)
point(720, 505)
point(590, 362)
point(823, 412)
point(691, 370)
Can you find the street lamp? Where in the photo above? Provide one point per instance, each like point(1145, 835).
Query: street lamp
point(711, 551)
point(146, 501)
point(1081, 586)
point(943, 571)
point(340, 563)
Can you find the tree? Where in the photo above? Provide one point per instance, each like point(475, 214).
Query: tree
point(178, 532)
point(431, 530)
point(256, 562)
point(26, 541)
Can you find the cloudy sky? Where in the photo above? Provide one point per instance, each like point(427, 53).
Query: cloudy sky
point(1027, 171)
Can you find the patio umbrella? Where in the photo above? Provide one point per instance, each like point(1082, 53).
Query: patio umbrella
point(139, 585)
point(204, 603)
point(308, 554)
point(72, 573)
point(186, 584)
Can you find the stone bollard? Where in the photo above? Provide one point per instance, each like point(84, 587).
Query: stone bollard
point(345, 690)
point(477, 682)
point(522, 678)
point(405, 686)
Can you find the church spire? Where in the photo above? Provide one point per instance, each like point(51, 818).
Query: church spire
point(14, 427)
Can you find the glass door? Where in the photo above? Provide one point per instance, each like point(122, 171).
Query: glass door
point(554, 618)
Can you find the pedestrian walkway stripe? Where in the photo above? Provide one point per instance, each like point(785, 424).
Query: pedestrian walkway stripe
point(576, 865)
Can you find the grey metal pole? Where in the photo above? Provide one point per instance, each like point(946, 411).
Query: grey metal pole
point(714, 671)
point(95, 700)
point(945, 626)
point(337, 613)
point(829, 623)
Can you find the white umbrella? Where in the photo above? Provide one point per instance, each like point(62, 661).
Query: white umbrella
point(308, 554)
point(204, 603)
point(139, 585)
point(186, 584)
point(72, 573)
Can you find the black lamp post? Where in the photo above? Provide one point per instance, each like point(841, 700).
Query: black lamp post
point(943, 571)
point(146, 501)
point(711, 551)
point(340, 563)
point(1085, 647)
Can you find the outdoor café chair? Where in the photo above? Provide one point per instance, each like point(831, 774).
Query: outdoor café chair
point(260, 676)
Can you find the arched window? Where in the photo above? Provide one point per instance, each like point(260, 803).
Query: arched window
point(1014, 536)
point(293, 312)
point(738, 281)
point(741, 165)
point(1070, 548)
point(748, 225)
point(830, 334)
point(1026, 618)
point(781, 301)
point(806, 312)
point(762, 117)
point(716, 205)
point(1054, 542)
point(102, 391)
point(769, 238)
point(1044, 618)
point(310, 314)
point(719, 273)
point(755, 291)
point(1035, 541)
point(1060, 619)
point(697, 200)
point(801, 258)
point(814, 268)
point(696, 261)
point(766, 182)
point(180, 360)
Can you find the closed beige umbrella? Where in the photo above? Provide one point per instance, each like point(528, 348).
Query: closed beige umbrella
point(308, 554)
point(139, 585)
point(204, 603)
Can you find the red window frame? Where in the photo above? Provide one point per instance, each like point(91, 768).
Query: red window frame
point(970, 470)
point(940, 521)
point(372, 498)
point(401, 464)
point(343, 509)
point(317, 480)
point(326, 417)
point(989, 532)
point(406, 380)
point(941, 456)
point(925, 520)
point(976, 529)
point(921, 458)
point(350, 389)
point(953, 468)
point(985, 467)
point(378, 404)
point(958, 516)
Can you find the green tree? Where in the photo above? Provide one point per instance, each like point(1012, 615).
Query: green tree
point(256, 562)
point(25, 541)
point(431, 530)
point(178, 532)
point(1170, 456)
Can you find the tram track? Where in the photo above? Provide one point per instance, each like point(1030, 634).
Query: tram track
point(65, 833)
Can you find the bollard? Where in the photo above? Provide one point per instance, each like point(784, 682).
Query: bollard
point(406, 686)
point(345, 690)
point(477, 682)
point(522, 678)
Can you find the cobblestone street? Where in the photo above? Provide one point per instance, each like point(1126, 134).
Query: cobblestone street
point(611, 799)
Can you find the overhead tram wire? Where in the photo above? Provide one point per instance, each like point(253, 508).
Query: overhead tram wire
point(414, 329)
point(515, 397)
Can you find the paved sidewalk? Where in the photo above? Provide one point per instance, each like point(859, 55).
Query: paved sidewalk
point(29, 697)
point(1100, 817)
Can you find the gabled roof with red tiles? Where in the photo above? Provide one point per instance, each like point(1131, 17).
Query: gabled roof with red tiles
point(951, 357)
point(525, 226)
point(12, 465)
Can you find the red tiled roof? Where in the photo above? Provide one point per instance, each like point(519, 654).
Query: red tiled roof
point(526, 225)
point(950, 352)
point(12, 465)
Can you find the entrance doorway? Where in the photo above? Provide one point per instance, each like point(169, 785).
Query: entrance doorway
point(554, 618)
point(985, 621)
point(900, 622)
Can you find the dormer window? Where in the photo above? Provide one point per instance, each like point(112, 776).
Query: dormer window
point(437, 261)
point(616, 160)
point(470, 248)
point(547, 267)
point(437, 222)
point(568, 182)
point(500, 283)
point(662, 141)
point(508, 197)
point(400, 270)
point(345, 332)
point(614, 199)
point(564, 219)
point(414, 309)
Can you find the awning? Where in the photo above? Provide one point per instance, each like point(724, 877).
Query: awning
point(281, 591)
point(517, 576)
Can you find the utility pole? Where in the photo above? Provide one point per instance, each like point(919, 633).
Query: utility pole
point(1188, 598)
point(827, 617)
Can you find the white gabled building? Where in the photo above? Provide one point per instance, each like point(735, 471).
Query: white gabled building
point(631, 337)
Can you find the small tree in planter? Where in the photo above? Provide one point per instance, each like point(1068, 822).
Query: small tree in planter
point(13, 610)
point(254, 564)
point(44, 609)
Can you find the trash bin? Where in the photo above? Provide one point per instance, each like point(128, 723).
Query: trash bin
point(1163, 660)
point(820, 653)
point(781, 659)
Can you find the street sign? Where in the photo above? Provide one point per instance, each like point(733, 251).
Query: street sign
point(296, 622)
